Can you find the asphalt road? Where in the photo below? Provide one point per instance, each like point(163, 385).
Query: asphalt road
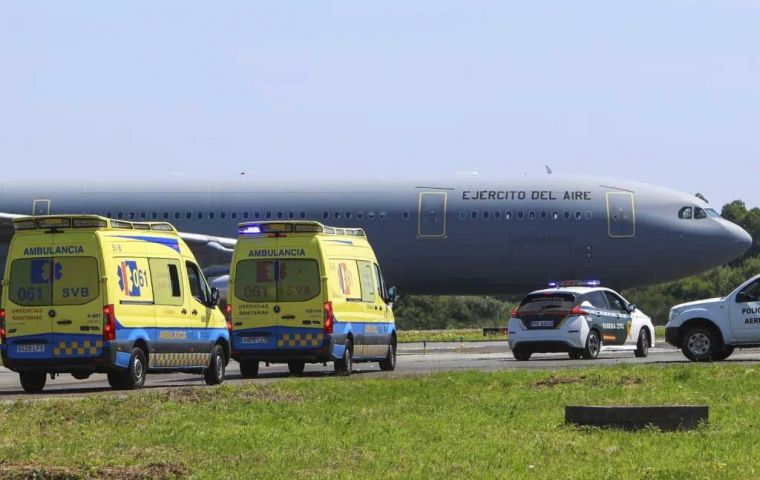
point(412, 360)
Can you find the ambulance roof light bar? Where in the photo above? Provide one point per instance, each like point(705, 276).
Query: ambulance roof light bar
point(575, 283)
point(55, 222)
point(278, 227)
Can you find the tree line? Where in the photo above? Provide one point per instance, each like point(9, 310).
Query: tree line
point(422, 312)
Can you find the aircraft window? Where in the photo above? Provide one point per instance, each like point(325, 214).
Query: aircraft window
point(370, 215)
point(199, 215)
point(188, 215)
point(532, 215)
point(223, 215)
point(280, 215)
point(359, 215)
point(301, 215)
point(108, 214)
point(567, 215)
point(474, 214)
point(348, 215)
point(405, 215)
point(234, 215)
point(685, 213)
point(497, 214)
point(291, 215)
point(120, 215)
point(325, 215)
point(589, 214)
point(336, 215)
point(462, 214)
point(154, 215)
point(382, 215)
point(486, 215)
point(544, 215)
point(578, 215)
point(555, 215)
point(699, 214)
point(268, 215)
point(711, 212)
point(256, 215)
point(131, 215)
point(520, 215)
point(143, 215)
point(176, 215)
point(507, 215)
point(166, 215)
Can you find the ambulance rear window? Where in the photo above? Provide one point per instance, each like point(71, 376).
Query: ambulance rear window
point(53, 281)
point(277, 280)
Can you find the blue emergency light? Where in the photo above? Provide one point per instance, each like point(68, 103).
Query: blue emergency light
point(249, 230)
point(575, 283)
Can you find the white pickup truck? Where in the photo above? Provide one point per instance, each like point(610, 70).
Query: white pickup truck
point(710, 329)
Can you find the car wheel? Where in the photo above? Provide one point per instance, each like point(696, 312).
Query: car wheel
point(389, 364)
point(214, 373)
point(699, 344)
point(296, 368)
point(32, 382)
point(249, 368)
point(724, 354)
point(345, 365)
point(593, 345)
point(575, 353)
point(521, 354)
point(642, 345)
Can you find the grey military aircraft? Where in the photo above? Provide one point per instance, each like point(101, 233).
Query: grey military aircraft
point(460, 235)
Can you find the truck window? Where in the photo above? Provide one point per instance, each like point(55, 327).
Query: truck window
point(49, 281)
point(197, 284)
point(381, 284)
point(365, 278)
point(165, 280)
point(750, 293)
point(282, 280)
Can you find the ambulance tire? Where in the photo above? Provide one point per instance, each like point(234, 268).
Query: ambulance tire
point(296, 368)
point(214, 373)
point(134, 376)
point(345, 366)
point(32, 382)
point(389, 364)
point(249, 368)
point(81, 375)
point(642, 345)
point(593, 346)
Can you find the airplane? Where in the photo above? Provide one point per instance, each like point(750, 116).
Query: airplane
point(457, 235)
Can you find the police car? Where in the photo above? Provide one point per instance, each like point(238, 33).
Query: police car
point(580, 318)
point(710, 329)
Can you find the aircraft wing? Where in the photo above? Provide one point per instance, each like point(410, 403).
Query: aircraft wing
point(213, 253)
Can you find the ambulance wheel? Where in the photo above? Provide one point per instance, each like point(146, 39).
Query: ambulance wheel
point(700, 344)
point(81, 375)
point(345, 365)
point(642, 345)
point(32, 382)
point(593, 345)
point(521, 354)
point(296, 368)
point(134, 375)
point(249, 368)
point(389, 364)
point(727, 351)
point(214, 373)
point(575, 353)
point(116, 379)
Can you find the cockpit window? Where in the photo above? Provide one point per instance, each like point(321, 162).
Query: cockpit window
point(711, 212)
point(685, 213)
point(699, 213)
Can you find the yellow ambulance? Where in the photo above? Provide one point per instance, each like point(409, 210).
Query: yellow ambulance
point(301, 292)
point(84, 294)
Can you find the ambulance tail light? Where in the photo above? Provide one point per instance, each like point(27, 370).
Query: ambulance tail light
point(577, 311)
point(329, 318)
point(228, 316)
point(2, 325)
point(109, 323)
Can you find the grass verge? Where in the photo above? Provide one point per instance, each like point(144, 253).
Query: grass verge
point(455, 425)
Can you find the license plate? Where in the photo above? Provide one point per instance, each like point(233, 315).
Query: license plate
point(258, 339)
point(32, 348)
point(542, 323)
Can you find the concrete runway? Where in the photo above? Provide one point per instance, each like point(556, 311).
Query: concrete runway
point(439, 357)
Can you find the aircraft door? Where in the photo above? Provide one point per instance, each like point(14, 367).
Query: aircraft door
point(41, 207)
point(621, 215)
point(432, 215)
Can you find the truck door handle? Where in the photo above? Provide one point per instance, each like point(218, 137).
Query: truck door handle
point(184, 311)
point(288, 317)
point(63, 322)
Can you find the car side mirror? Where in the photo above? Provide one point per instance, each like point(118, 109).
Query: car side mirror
point(631, 308)
point(214, 296)
point(392, 295)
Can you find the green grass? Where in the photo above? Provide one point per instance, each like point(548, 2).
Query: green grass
point(455, 425)
point(472, 335)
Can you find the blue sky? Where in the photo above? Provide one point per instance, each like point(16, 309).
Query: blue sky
point(663, 91)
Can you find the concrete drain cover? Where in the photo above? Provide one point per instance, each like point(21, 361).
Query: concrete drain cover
point(668, 418)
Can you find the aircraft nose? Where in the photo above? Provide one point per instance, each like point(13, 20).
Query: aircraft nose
point(740, 239)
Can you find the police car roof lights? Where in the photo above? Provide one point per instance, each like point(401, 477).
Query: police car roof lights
point(575, 283)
